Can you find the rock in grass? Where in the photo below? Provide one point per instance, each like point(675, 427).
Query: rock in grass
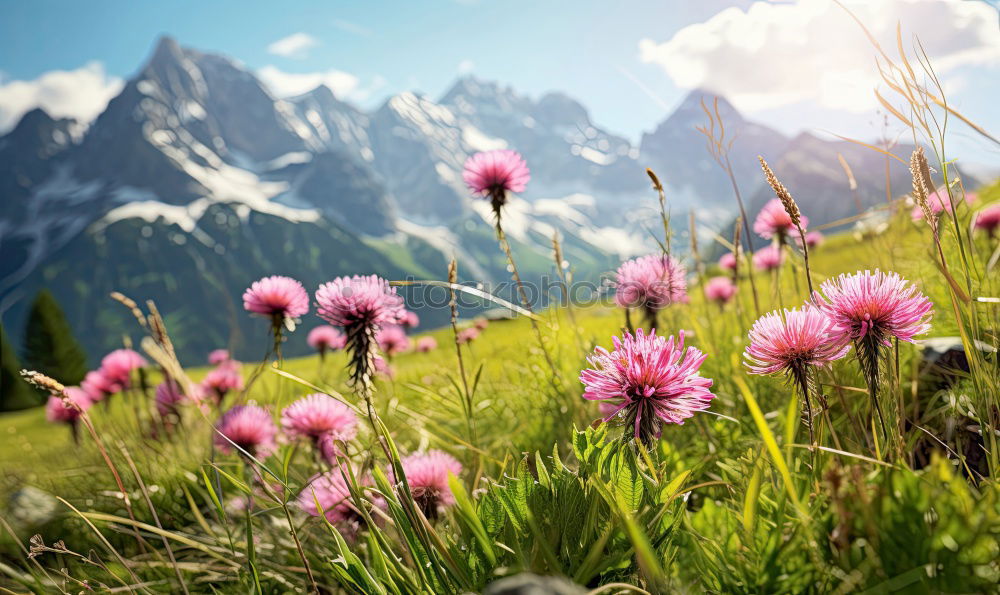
point(533, 584)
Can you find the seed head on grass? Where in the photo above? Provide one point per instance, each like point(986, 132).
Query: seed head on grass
point(651, 380)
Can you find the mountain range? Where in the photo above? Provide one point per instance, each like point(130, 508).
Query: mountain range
point(196, 180)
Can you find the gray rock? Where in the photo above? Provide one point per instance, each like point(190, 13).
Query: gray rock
point(30, 507)
point(533, 584)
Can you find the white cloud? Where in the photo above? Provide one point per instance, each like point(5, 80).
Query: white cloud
point(466, 66)
point(780, 54)
point(296, 45)
point(352, 28)
point(82, 94)
point(343, 84)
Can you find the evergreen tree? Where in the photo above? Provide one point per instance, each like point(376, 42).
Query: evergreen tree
point(14, 391)
point(49, 344)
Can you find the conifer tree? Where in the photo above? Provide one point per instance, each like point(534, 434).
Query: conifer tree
point(14, 391)
point(49, 344)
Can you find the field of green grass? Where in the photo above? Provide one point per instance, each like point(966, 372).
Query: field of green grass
point(731, 501)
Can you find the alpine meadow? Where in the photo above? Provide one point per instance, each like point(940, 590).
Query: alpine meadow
point(259, 341)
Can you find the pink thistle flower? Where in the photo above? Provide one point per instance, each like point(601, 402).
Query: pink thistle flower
point(57, 410)
point(383, 368)
point(720, 290)
point(218, 356)
point(331, 492)
point(653, 282)
point(728, 261)
point(318, 415)
point(325, 338)
point(277, 297)
point(118, 366)
point(495, 173)
point(248, 426)
point(653, 380)
point(939, 202)
point(425, 344)
point(773, 221)
point(787, 343)
point(224, 378)
point(168, 397)
point(813, 239)
point(98, 386)
point(481, 323)
point(875, 306)
point(392, 340)
point(467, 335)
point(349, 301)
point(427, 476)
point(768, 258)
point(411, 320)
point(988, 219)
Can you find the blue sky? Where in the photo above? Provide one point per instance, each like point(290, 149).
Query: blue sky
point(794, 65)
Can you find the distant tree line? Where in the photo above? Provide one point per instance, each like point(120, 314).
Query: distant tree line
point(49, 347)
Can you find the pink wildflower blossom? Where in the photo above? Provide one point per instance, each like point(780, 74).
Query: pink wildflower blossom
point(773, 221)
point(392, 340)
point(427, 475)
point(318, 415)
point(347, 301)
point(654, 282)
point(720, 290)
point(277, 297)
point(653, 380)
point(494, 173)
point(425, 344)
point(118, 366)
point(248, 426)
point(768, 258)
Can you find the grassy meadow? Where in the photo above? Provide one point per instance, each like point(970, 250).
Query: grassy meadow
point(734, 500)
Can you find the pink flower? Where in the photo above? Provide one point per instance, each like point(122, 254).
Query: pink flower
point(411, 320)
point(654, 282)
point(720, 289)
point(481, 323)
point(788, 343)
point(652, 380)
point(774, 221)
point(494, 173)
point(218, 356)
point(392, 340)
point(427, 476)
point(988, 219)
point(382, 367)
point(348, 301)
point(939, 202)
point(56, 409)
point(248, 426)
point(333, 495)
point(467, 335)
point(728, 261)
point(318, 415)
point(425, 344)
point(168, 397)
point(768, 258)
point(98, 386)
point(276, 296)
point(813, 239)
point(875, 305)
point(118, 365)
point(325, 338)
point(224, 378)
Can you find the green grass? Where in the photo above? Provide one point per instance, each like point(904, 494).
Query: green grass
point(724, 503)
